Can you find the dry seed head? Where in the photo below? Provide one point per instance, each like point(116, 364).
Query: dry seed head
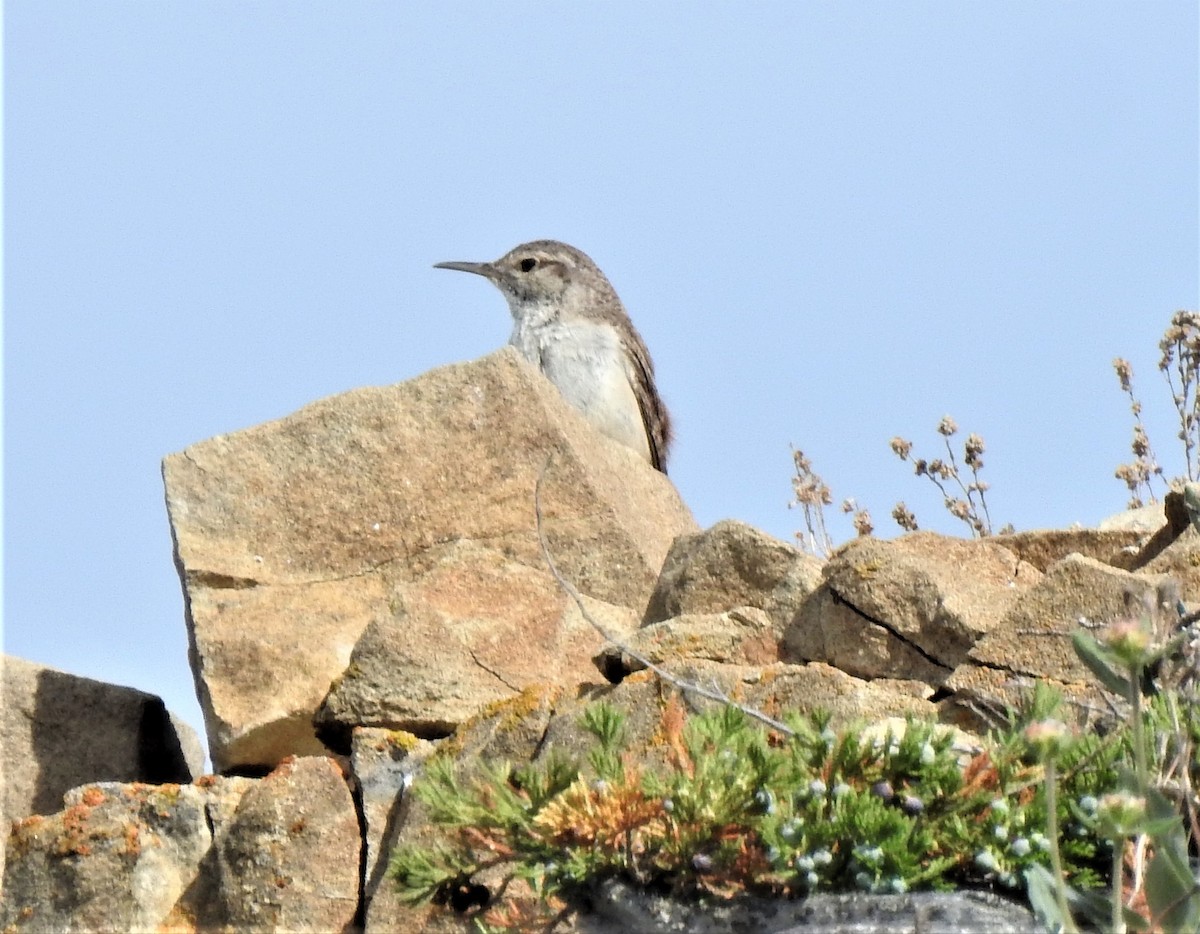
point(947, 426)
point(1141, 442)
point(939, 468)
point(1183, 335)
point(809, 489)
point(974, 452)
point(862, 523)
point(904, 517)
point(1124, 373)
point(901, 447)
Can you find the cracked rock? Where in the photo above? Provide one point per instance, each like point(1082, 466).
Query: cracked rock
point(1033, 641)
point(909, 608)
point(292, 536)
point(477, 628)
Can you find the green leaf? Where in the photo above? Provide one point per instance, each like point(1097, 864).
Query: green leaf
point(1171, 888)
point(1040, 887)
point(1099, 662)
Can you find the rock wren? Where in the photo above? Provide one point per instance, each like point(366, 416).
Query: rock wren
point(569, 323)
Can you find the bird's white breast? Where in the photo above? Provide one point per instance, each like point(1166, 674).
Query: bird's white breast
point(587, 363)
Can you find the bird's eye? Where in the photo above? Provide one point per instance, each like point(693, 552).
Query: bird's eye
point(528, 263)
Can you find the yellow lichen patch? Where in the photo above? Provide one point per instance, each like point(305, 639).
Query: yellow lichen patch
point(509, 712)
point(866, 569)
point(520, 706)
point(162, 799)
point(402, 739)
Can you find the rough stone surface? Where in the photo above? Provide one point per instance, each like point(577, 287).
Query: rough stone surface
point(383, 763)
point(618, 907)
point(1181, 560)
point(1145, 519)
point(118, 857)
point(1033, 641)
point(909, 608)
point(289, 859)
point(742, 636)
point(729, 565)
point(642, 700)
point(1172, 522)
point(1043, 547)
point(59, 730)
point(280, 853)
point(1035, 636)
point(477, 629)
point(512, 730)
point(312, 524)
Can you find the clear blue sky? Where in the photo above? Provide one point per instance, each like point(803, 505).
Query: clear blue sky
point(833, 223)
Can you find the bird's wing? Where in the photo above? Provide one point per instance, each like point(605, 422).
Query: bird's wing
point(655, 419)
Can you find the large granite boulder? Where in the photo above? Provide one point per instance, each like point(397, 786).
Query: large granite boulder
point(293, 536)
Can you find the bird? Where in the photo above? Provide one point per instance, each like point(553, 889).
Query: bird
point(570, 324)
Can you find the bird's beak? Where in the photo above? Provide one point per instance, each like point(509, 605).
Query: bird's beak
point(480, 269)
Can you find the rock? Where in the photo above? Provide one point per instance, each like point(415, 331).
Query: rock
point(314, 523)
point(290, 857)
point(59, 730)
point(909, 608)
point(1033, 641)
point(1181, 560)
point(1034, 638)
point(812, 686)
point(383, 763)
point(617, 907)
point(828, 629)
point(1144, 519)
point(742, 636)
point(277, 854)
point(729, 565)
point(1172, 522)
point(511, 730)
point(771, 689)
point(118, 857)
point(474, 630)
point(1044, 547)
